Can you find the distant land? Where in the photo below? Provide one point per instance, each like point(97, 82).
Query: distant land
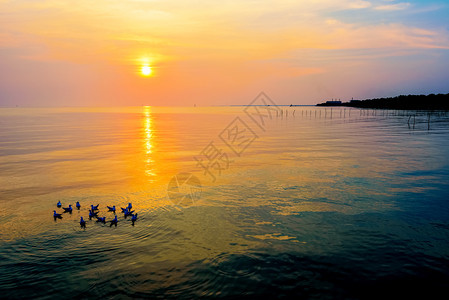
point(412, 102)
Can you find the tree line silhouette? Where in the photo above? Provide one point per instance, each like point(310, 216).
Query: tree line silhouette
point(409, 102)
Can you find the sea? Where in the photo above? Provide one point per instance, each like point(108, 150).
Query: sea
point(232, 202)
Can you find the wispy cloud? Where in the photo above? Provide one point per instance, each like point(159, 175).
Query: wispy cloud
point(393, 7)
point(359, 4)
point(385, 36)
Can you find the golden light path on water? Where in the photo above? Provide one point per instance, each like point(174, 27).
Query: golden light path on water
point(148, 141)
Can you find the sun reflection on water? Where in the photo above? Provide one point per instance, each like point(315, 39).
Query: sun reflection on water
point(148, 142)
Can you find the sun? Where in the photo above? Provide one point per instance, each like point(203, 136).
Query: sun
point(146, 70)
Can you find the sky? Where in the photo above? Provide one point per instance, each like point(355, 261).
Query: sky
point(206, 52)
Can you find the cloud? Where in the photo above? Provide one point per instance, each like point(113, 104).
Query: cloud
point(359, 4)
point(386, 36)
point(393, 7)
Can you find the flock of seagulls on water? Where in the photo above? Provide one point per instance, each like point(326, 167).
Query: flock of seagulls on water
point(93, 213)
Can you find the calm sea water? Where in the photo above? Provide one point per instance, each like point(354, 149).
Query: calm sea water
point(306, 202)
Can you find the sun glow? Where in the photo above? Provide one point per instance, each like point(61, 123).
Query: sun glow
point(146, 70)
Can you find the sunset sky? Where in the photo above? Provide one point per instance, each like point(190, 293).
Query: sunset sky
point(91, 53)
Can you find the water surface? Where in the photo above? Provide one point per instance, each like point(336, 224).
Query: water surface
point(315, 203)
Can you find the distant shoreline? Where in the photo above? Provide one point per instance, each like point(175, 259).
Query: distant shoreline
point(406, 102)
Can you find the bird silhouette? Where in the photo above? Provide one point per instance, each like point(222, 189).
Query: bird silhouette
point(128, 213)
point(92, 214)
point(82, 223)
point(94, 207)
point(114, 222)
point(56, 215)
point(68, 209)
point(124, 209)
point(102, 220)
point(59, 204)
point(130, 206)
point(134, 218)
point(78, 205)
point(111, 208)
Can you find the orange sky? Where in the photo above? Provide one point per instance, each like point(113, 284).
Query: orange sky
point(89, 53)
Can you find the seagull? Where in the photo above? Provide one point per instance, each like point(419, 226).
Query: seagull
point(59, 204)
point(68, 209)
point(102, 220)
point(128, 213)
point(130, 206)
point(111, 208)
point(78, 204)
point(92, 214)
point(56, 215)
point(82, 223)
point(134, 218)
point(114, 222)
point(94, 207)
